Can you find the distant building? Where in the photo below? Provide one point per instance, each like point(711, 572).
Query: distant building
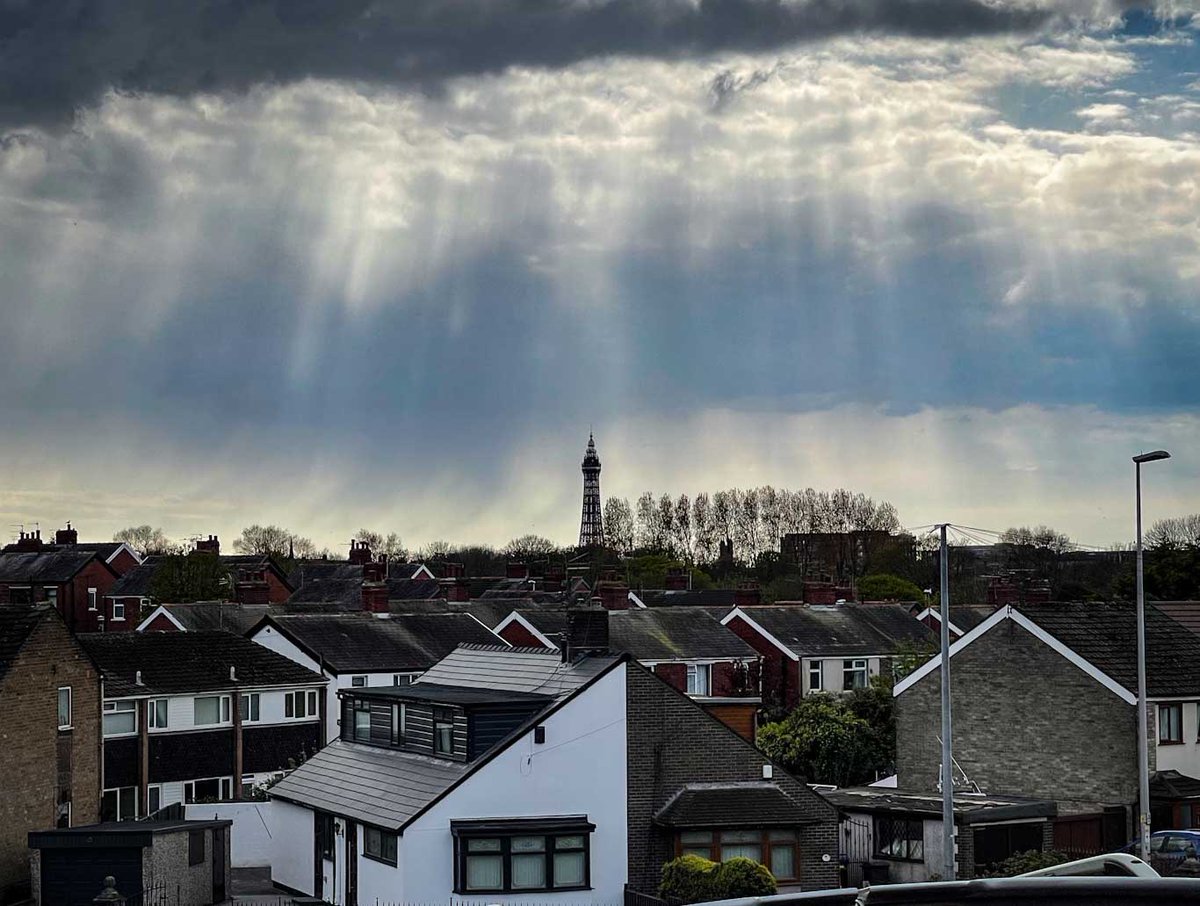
point(75, 581)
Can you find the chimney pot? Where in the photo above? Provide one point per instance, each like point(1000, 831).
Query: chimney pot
point(137, 679)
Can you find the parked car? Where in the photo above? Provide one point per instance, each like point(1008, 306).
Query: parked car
point(1169, 845)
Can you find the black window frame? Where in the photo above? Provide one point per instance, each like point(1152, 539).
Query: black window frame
point(385, 837)
point(196, 847)
point(549, 849)
point(441, 718)
point(884, 831)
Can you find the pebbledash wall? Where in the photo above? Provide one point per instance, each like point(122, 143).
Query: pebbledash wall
point(1027, 722)
point(672, 742)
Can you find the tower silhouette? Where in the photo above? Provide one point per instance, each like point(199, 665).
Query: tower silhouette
point(591, 526)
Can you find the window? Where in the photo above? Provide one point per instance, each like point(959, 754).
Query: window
point(91, 599)
point(156, 711)
point(379, 845)
point(210, 710)
point(196, 847)
point(358, 681)
point(247, 786)
point(118, 609)
point(251, 710)
point(699, 679)
point(64, 707)
point(524, 863)
point(746, 844)
point(153, 798)
point(120, 718)
point(301, 703)
point(63, 815)
point(399, 719)
point(144, 604)
point(119, 804)
point(776, 849)
point(403, 679)
point(325, 835)
point(814, 676)
point(362, 720)
point(52, 599)
point(899, 838)
point(854, 674)
point(1170, 724)
point(211, 789)
point(443, 731)
point(783, 860)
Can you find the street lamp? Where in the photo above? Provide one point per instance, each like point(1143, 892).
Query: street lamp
point(1143, 830)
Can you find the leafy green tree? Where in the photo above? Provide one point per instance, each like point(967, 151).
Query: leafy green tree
point(885, 587)
point(825, 740)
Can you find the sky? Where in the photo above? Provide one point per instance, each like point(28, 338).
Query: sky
point(386, 263)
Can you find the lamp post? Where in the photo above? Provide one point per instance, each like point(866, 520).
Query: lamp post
point(1143, 828)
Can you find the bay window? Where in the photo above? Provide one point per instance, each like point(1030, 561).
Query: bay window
point(774, 848)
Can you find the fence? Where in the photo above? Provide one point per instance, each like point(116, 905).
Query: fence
point(637, 898)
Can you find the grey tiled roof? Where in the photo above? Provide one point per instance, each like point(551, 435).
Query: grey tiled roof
point(1185, 613)
point(655, 635)
point(515, 669)
point(1105, 635)
point(754, 803)
point(223, 615)
point(841, 629)
point(698, 597)
point(138, 582)
point(368, 783)
point(366, 642)
point(45, 566)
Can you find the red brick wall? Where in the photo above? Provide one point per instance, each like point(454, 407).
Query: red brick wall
point(277, 590)
point(74, 607)
point(780, 674)
point(516, 634)
point(29, 734)
point(675, 675)
point(729, 678)
point(123, 562)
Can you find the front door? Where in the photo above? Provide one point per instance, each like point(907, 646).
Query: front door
point(351, 863)
point(218, 863)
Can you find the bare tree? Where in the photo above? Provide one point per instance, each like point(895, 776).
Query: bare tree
point(723, 506)
point(664, 527)
point(645, 520)
point(771, 507)
point(618, 525)
point(435, 549)
point(1175, 533)
point(746, 525)
point(529, 547)
point(682, 527)
point(270, 540)
point(703, 528)
point(389, 545)
point(145, 540)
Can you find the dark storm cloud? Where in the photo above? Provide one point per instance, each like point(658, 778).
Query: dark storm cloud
point(56, 57)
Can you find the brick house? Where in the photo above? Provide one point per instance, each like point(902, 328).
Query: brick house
point(120, 557)
point(198, 716)
point(523, 773)
point(825, 648)
point(1044, 701)
point(688, 648)
point(74, 581)
point(51, 730)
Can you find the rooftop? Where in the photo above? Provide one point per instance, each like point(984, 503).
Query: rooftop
point(753, 803)
point(968, 806)
point(450, 695)
point(52, 566)
point(229, 616)
point(533, 670)
point(840, 629)
point(654, 635)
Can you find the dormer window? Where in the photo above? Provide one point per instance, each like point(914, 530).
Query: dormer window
point(443, 731)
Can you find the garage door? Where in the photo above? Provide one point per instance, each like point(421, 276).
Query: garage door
point(73, 877)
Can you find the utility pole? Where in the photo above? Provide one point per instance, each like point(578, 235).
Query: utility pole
point(948, 871)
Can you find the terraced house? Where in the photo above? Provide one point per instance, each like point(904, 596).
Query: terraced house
point(198, 716)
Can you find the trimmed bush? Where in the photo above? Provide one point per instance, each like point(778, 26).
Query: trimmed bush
point(1019, 863)
point(689, 879)
point(742, 877)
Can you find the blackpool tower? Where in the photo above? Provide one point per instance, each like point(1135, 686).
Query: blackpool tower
point(591, 526)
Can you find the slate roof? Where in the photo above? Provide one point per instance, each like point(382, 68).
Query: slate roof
point(181, 662)
point(515, 670)
point(52, 566)
point(345, 595)
point(1185, 613)
point(754, 803)
point(366, 642)
point(1105, 635)
point(655, 635)
point(467, 696)
point(700, 597)
point(229, 616)
point(379, 786)
point(322, 570)
point(138, 581)
point(840, 630)
point(17, 623)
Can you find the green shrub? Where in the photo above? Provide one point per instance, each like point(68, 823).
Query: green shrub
point(741, 877)
point(689, 879)
point(1019, 863)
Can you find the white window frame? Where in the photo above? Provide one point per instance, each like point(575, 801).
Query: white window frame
point(111, 708)
point(223, 712)
point(117, 791)
point(848, 672)
point(695, 673)
point(815, 668)
point(153, 789)
point(152, 721)
point(224, 788)
point(301, 700)
point(118, 610)
point(358, 682)
point(406, 677)
point(70, 708)
point(92, 594)
point(251, 702)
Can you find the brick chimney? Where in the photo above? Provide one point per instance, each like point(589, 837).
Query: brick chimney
point(677, 579)
point(746, 595)
point(209, 545)
point(375, 570)
point(455, 589)
point(29, 542)
point(66, 535)
point(514, 570)
point(375, 597)
point(586, 633)
point(445, 569)
point(360, 552)
point(556, 572)
point(613, 594)
point(252, 587)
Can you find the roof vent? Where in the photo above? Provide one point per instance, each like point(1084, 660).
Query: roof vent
point(232, 673)
point(137, 679)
